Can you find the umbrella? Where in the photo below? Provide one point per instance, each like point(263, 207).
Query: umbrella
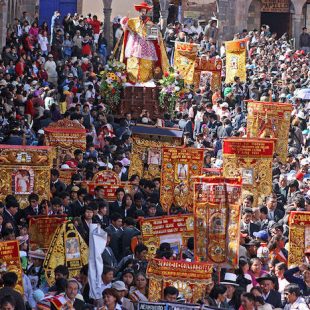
point(303, 94)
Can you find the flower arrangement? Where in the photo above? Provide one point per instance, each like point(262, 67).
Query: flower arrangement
point(173, 88)
point(112, 79)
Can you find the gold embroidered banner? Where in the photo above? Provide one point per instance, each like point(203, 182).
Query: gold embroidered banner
point(250, 159)
point(66, 136)
point(172, 229)
point(299, 241)
point(190, 279)
point(184, 60)
point(179, 166)
point(235, 60)
point(146, 149)
point(25, 170)
point(10, 262)
point(217, 220)
point(270, 120)
point(208, 71)
point(66, 248)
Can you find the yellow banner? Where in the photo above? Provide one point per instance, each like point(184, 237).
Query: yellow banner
point(235, 60)
point(184, 60)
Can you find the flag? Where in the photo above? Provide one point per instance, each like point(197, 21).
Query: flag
point(184, 60)
point(97, 244)
point(235, 60)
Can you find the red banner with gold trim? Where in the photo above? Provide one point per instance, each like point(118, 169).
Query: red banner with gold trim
point(179, 166)
point(172, 229)
point(189, 278)
point(270, 120)
point(217, 220)
point(299, 237)
point(250, 159)
point(42, 229)
point(10, 261)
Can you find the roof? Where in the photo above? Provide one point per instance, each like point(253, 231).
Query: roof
point(157, 131)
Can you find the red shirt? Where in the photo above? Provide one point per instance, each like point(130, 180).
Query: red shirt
point(96, 25)
point(20, 68)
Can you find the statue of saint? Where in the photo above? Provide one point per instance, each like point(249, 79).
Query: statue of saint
point(143, 50)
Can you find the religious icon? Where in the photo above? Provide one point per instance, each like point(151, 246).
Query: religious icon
point(72, 248)
point(234, 63)
point(205, 78)
point(247, 176)
point(154, 157)
point(182, 171)
point(22, 182)
point(217, 225)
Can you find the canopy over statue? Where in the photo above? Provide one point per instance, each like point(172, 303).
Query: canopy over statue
point(143, 50)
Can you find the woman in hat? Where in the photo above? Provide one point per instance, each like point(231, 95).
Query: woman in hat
point(141, 55)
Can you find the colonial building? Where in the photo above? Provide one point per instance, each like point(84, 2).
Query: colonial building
point(233, 15)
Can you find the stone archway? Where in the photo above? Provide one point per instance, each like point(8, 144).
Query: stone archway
point(254, 15)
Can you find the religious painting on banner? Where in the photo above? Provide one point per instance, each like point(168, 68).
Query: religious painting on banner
point(66, 136)
point(299, 237)
point(10, 262)
point(175, 230)
point(217, 220)
point(250, 159)
point(191, 279)
point(42, 229)
point(146, 149)
point(66, 248)
point(24, 170)
point(208, 71)
point(184, 60)
point(179, 166)
point(235, 60)
point(270, 120)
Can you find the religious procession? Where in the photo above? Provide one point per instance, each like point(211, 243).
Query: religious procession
point(170, 171)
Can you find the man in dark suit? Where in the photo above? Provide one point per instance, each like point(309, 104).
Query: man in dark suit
point(77, 207)
point(57, 186)
point(116, 231)
point(86, 220)
point(9, 282)
point(9, 214)
point(108, 256)
point(118, 169)
point(246, 224)
point(130, 231)
point(31, 210)
point(274, 214)
point(116, 206)
point(270, 295)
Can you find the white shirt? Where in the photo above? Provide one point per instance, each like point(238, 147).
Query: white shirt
point(43, 42)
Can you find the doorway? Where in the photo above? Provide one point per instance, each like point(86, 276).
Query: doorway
point(278, 22)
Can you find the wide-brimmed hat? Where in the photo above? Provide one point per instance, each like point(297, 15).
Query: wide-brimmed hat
point(119, 286)
point(143, 5)
point(230, 279)
point(264, 277)
point(39, 254)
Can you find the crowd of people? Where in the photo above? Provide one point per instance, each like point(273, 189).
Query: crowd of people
point(52, 74)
